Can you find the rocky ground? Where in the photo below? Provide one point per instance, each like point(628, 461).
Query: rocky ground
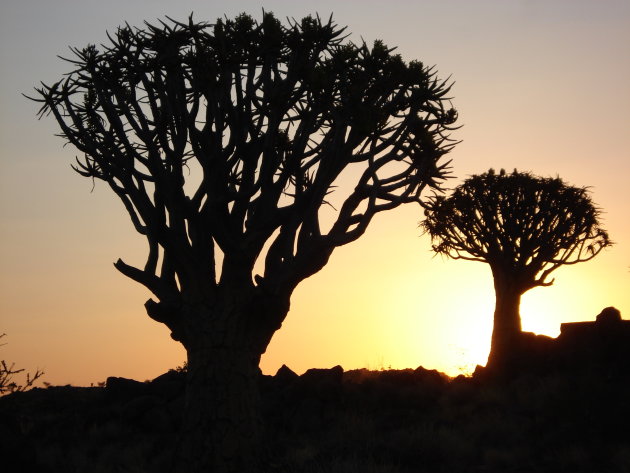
point(564, 406)
point(569, 420)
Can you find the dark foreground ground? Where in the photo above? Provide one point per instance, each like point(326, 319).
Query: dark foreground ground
point(569, 420)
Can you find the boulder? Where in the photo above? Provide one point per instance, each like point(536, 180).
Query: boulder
point(323, 377)
point(285, 375)
point(169, 385)
point(124, 388)
point(537, 353)
point(430, 377)
point(324, 384)
point(610, 315)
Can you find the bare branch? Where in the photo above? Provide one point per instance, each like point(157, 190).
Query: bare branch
point(7, 374)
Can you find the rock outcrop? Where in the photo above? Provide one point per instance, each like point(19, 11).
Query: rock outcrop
point(600, 345)
point(604, 343)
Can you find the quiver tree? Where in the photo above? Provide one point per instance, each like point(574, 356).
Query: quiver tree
point(225, 142)
point(524, 227)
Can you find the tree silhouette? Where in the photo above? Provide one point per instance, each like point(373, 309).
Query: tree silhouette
point(225, 143)
point(524, 227)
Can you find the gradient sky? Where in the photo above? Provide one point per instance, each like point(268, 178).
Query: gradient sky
point(541, 85)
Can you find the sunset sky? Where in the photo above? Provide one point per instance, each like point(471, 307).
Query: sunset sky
point(540, 85)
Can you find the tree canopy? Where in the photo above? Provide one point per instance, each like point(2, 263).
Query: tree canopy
point(228, 145)
point(267, 116)
point(518, 223)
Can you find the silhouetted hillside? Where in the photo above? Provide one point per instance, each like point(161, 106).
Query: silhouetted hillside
point(571, 415)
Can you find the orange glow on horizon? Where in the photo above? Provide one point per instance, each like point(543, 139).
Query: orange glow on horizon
point(383, 300)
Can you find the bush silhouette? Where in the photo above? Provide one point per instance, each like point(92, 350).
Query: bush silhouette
point(7, 373)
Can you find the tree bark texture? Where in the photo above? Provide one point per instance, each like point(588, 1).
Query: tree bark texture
point(506, 332)
point(222, 424)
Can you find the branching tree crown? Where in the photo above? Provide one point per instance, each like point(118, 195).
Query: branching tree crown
point(270, 115)
point(521, 224)
point(224, 143)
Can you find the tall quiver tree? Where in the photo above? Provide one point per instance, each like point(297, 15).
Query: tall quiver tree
point(525, 227)
point(224, 142)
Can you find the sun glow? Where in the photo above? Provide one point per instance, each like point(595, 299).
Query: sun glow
point(383, 300)
point(538, 313)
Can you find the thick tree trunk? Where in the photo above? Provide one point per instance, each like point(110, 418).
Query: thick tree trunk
point(506, 332)
point(221, 430)
point(222, 424)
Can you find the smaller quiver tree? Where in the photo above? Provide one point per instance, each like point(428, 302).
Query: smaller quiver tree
point(524, 227)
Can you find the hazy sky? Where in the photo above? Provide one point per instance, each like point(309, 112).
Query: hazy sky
point(540, 85)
